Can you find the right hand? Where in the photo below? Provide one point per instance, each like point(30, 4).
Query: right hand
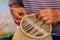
point(16, 14)
point(49, 15)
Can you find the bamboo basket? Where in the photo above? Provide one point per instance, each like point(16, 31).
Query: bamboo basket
point(32, 28)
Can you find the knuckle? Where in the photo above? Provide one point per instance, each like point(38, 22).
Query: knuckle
point(18, 17)
point(17, 22)
point(44, 18)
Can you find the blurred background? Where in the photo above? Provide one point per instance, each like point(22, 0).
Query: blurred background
point(5, 16)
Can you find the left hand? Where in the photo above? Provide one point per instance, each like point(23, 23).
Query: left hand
point(18, 13)
point(49, 15)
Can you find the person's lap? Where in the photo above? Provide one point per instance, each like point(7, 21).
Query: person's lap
point(55, 37)
point(7, 38)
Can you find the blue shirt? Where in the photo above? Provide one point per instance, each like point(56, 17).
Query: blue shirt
point(33, 6)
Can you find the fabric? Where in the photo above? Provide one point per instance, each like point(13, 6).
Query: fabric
point(55, 37)
point(33, 6)
point(7, 38)
point(13, 1)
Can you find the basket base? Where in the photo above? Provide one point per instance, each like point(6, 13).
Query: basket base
point(19, 35)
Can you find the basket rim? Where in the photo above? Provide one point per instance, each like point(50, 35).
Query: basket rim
point(29, 34)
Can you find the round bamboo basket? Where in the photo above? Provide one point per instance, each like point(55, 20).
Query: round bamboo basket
point(32, 28)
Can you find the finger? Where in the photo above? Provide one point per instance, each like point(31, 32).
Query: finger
point(44, 14)
point(49, 22)
point(38, 15)
point(16, 15)
point(41, 14)
point(43, 11)
point(16, 21)
point(17, 11)
point(45, 18)
point(24, 11)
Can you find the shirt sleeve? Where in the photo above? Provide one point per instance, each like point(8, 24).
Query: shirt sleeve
point(13, 2)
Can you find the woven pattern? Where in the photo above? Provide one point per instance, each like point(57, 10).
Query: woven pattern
point(32, 28)
point(35, 27)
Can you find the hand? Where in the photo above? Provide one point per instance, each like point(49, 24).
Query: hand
point(18, 13)
point(48, 15)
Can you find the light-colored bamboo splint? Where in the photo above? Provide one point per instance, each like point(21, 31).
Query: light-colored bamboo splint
point(32, 28)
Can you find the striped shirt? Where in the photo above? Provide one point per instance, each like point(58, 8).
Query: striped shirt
point(33, 6)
